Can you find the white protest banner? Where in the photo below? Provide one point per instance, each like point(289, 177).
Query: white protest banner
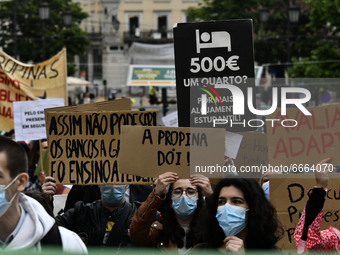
point(232, 144)
point(170, 120)
point(29, 118)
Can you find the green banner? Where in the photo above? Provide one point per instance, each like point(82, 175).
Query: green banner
point(143, 75)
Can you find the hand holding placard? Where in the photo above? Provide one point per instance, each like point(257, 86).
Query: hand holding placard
point(157, 150)
point(84, 145)
point(321, 173)
point(163, 181)
point(202, 182)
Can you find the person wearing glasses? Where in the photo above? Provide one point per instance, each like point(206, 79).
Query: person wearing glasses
point(177, 226)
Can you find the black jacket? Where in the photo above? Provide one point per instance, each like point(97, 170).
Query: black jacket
point(90, 193)
point(90, 222)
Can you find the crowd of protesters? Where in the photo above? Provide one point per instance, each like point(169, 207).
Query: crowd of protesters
point(177, 214)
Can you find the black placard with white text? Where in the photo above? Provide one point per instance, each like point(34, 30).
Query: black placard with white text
point(214, 69)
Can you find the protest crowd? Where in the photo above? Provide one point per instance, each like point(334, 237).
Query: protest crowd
point(103, 176)
point(174, 213)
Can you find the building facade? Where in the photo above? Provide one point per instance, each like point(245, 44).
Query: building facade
point(113, 25)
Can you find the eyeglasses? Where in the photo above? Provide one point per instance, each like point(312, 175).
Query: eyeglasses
point(190, 192)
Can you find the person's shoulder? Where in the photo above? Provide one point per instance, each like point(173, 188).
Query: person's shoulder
point(136, 205)
point(31, 205)
point(200, 246)
point(82, 209)
point(71, 241)
point(87, 206)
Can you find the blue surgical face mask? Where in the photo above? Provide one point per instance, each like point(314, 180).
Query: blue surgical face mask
point(231, 219)
point(4, 204)
point(184, 206)
point(112, 194)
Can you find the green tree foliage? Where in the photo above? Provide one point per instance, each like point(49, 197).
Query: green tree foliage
point(324, 58)
point(30, 32)
point(324, 62)
point(275, 40)
point(308, 49)
point(223, 10)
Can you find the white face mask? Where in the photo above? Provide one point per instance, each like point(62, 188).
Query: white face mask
point(4, 204)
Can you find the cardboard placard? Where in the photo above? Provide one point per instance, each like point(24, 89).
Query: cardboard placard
point(157, 150)
point(214, 67)
point(290, 195)
point(114, 105)
point(308, 140)
point(84, 146)
point(29, 118)
point(24, 82)
point(253, 150)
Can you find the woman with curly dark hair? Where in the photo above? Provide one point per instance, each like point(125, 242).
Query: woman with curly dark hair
point(177, 225)
point(240, 217)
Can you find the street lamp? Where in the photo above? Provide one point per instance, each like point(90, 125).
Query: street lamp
point(67, 17)
point(264, 14)
point(293, 17)
point(44, 14)
point(293, 13)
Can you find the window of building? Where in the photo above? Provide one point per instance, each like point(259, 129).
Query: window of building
point(97, 67)
point(92, 22)
point(86, 21)
point(133, 25)
point(133, 21)
point(163, 26)
point(186, 17)
point(162, 23)
point(100, 21)
point(83, 66)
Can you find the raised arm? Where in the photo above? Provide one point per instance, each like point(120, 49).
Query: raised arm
point(310, 221)
point(142, 231)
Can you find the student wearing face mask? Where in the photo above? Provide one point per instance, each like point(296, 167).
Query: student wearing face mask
point(239, 217)
point(104, 222)
point(177, 226)
point(24, 223)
